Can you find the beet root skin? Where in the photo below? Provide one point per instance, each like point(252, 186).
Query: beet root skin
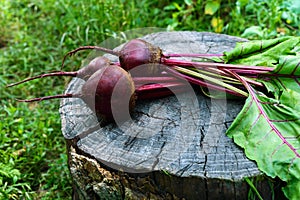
point(109, 92)
point(94, 65)
point(139, 52)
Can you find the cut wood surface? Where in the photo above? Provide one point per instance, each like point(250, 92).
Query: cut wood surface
point(178, 142)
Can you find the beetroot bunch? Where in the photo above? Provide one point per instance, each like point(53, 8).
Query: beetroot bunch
point(107, 84)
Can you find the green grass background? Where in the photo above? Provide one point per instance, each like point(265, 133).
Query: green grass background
point(35, 35)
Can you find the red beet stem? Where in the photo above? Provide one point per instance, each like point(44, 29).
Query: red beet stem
point(194, 55)
point(248, 72)
point(251, 81)
point(138, 81)
point(156, 90)
point(201, 83)
point(58, 96)
point(154, 86)
point(60, 73)
point(163, 92)
point(71, 53)
point(148, 91)
point(204, 65)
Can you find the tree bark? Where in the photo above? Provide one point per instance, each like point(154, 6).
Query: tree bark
point(173, 148)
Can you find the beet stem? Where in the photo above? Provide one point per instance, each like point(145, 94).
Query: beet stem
point(155, 86)
point(153, 91)
point(50, 97)
point(71, 53)
point(60, 73)
point(259, 69)
point(158, 79)
point(195, 55)
point(201, 83)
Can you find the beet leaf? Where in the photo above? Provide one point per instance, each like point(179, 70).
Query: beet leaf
point(268, 126)
point(262, 52)
point(288, 65)
point(268, 130)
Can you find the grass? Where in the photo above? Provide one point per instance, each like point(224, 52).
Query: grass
point(34, 35)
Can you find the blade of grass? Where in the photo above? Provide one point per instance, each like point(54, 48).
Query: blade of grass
point(253, 188)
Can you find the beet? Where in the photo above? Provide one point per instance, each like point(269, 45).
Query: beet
point(84, 73)
point(109, 89)
point(134, 53)
point(138, 52)
point(109, 92)
point(94, 65)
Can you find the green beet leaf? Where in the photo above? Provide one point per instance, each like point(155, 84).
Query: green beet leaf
point(268, 126)
point(285, 89)
point(269, 132)
point(288, 65)
point(262, 52)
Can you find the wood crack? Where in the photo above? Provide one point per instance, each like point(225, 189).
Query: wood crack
point(157, 157)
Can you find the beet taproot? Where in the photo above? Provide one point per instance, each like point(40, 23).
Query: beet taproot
point(139, 52)
point(109, 92)
point(84, 73)
point(94, 65)
point(134, 53)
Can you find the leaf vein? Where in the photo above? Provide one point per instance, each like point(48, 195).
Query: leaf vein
point(297, 81)
point(284, 120)
point(293, 72)
point(255, 122)
point(278, 79)
point(277, 148)
point(279, 68)
point(292, 137)
point(291, 163)
point(252, 93)
point(265, 137)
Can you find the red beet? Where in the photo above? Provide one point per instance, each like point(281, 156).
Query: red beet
point(84, 73)
point(109, 92)
point(138, 52)
point(134, 53)
point(94, 65)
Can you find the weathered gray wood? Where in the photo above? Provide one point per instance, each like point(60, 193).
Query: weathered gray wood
point(183, 136)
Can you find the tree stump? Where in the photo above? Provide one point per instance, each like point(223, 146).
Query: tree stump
point(173, 148)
